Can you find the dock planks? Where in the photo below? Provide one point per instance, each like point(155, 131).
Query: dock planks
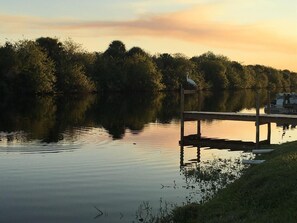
point(263, 118)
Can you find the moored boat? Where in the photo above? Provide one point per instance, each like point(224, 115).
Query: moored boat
point(284, 103)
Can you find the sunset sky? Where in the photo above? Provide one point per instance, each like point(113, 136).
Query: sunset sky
point(251, 32)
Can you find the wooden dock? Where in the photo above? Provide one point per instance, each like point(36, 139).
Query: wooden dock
point(257, 118)
point(263, 118)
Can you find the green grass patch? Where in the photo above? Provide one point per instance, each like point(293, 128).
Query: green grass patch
point(264, 193)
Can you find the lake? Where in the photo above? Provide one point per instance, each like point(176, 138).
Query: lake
point(116, 158)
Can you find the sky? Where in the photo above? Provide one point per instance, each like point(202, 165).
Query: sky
point(248, 31)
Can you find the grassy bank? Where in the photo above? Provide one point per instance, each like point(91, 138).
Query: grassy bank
point(265, 193)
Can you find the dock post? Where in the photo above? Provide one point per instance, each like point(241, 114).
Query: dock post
point(199, 128)
point(268, 124)
point(182, 122)
point(269, 133)
point(198, 154)
point(257, 119)
point(181, 156)
point(268, 103)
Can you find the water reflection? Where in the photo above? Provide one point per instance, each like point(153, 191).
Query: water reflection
point(119, 112)
point(48, 118)
point(90, 169)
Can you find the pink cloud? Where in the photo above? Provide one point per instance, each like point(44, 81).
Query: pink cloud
point(190, 25)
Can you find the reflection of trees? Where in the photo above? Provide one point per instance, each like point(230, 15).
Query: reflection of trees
point(170, 108)
point(225, 101)
point(44, 118)
point(31, 115)
point(47, 118)
point(119, 112)
point(70, 114)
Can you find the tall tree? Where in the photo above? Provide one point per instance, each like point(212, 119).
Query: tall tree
point(9, 65)
point(142, 74)
point(36, 70)
point(116, 50)
point(72, 77)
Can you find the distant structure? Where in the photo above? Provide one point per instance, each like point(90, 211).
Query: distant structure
point(191, 82)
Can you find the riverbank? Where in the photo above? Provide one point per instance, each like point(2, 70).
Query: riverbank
point(265, 193)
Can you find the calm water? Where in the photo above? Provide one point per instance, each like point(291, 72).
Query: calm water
point(61, 158)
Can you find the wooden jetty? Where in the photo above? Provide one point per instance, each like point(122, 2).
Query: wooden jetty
point(257, 118)
point(263, 118)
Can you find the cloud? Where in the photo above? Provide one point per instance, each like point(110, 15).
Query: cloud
point(193, 25)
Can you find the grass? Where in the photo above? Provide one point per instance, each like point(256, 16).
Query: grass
point(264, 193)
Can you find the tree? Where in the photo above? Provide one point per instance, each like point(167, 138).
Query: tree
point(214, 69)
point(136, 50)
point(142, 74)
point(293, 79)
point(53, 47)
point(36, 71)
point(260, 76)
point(234, 74)
point(215, 74)
point(72, 77)
point(286, 78)
point(174, 70)
point(9, 65)
point(248, 77)
point(47, 65)
point(116, 50)
point(109, 70)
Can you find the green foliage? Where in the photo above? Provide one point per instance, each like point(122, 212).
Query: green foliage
point(52, 47)
point(214, 69)
point(265, 193)
point(50, 66)
point(136, 50)
point(293, 79)
point(25, 68)
point(174, 70)
point(116, 50)
point(235, 74)
point(74, 80)
point(36, 69)
point(109, 73)
point(215, 74)
point(8, 67)
point(248, 77)
point(142, 74)
point(72, 77)
point(165, 63)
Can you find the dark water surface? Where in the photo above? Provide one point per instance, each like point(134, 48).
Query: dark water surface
point(62, 158)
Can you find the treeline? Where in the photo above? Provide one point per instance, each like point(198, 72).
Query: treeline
point(47, 65)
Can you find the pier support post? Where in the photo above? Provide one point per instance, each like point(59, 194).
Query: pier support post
point(198, 154)
point(257, 119)
point(199, 129)
point(268, 124)
point(181, 156)
point(268, 103)
point(182, 122)
point(269, 133)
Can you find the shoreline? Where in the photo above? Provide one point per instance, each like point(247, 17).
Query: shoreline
point(264, 193)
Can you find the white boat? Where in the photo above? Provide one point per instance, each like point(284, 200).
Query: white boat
point(284, 103)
